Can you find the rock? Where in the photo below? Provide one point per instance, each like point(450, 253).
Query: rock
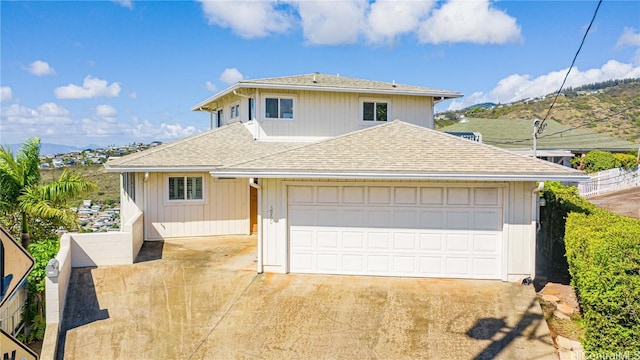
point(560, 315)
point(563, 342)
point(550, 298)
point(565, 309)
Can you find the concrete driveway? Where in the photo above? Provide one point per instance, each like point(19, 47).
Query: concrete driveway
point(202, 299)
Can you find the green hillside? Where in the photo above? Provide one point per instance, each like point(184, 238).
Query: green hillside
point(611, 108)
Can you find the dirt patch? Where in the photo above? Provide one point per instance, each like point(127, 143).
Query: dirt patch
point(623, 202)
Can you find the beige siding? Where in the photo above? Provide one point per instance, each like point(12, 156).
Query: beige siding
point(520, 254)
point(324, 114)
point(225, 210)
point(130, 207)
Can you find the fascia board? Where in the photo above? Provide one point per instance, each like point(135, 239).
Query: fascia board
point(399, 176)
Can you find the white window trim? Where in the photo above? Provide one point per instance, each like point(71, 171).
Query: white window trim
point(165, 189)
point(263, 104)
point(374, 100)
point(231, 117)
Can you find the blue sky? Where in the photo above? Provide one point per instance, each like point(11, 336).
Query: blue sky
point(116, 72)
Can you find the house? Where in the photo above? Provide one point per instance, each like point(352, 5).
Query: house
point(558, 143)
point(318, 166)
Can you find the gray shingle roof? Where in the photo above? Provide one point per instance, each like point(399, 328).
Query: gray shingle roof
point(226, 145)
point(401, 148)
point(516, 133)
point(324, 82)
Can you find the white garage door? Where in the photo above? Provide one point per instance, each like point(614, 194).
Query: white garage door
point(396, 230)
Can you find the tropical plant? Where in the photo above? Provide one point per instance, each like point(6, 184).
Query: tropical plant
point(21, 191)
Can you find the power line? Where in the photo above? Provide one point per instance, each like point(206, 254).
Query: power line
point(572, 63)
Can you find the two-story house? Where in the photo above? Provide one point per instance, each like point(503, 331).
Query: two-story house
point(342, 176)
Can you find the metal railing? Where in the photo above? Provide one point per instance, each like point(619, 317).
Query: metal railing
point(11, 312)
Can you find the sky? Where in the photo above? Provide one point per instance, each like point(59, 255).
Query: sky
point(117, 72)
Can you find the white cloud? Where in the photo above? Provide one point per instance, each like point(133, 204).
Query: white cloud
point(91, 87)
point(133, 95)
point(40, 68)
point(249, 19)
point(389, 18)
point(105, 111)
point(6, 94)
point(146, 130)
point(125, 3)
point(469, 21)
point(332, 22)
point(47, 118)
point(231, 76)
point(629, 37)
point(517, 87)
point(210, 86)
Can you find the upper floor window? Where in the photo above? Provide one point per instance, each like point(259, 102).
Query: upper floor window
point(278, 107)
point(186, 188)
point(375, 110)
point(235, 110)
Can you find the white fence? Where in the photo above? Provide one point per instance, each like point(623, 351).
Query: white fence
point(608, 181)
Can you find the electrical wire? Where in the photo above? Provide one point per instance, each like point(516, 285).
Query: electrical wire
point(572, 64)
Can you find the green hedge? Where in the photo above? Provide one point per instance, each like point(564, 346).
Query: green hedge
point(598, 160)
point(603, 252)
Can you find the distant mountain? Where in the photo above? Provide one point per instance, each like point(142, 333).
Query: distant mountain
point(611, 108)
point(486, 105)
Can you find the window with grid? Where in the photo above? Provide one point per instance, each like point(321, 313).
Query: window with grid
point(186, 188)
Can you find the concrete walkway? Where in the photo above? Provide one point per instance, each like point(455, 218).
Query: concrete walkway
point(202, 299)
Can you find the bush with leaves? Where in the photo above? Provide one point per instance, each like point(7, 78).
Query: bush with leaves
point(598, 160)
point(603, 251)
point(34, 312)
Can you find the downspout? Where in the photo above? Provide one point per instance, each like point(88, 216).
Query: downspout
point(254, 184)
point(535, 222)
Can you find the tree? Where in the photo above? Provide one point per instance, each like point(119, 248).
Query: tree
point(21, 191)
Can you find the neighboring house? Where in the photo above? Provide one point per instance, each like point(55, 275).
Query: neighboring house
point(558, 143)
point(332, 184)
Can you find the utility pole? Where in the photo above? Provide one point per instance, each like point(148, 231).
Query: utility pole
point(537, 130)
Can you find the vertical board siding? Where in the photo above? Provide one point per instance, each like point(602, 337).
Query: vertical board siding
point(225, 211)
point(323, 114)
point(520, 229)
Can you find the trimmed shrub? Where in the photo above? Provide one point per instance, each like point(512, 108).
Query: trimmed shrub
point(603, 252)
point(627, 161)
point(598, 160)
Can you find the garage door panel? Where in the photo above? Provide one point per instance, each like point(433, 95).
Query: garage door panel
point(379, 264)
point(378, 240)
point(410, 231)
point(457, 266)
point(459, 219)
point(487, 220)
point(379, 218)
point(353, 240)
point(302, 239)
point(431, 242)
point(405, 218)
point(301, 194)
point(404, 265)
point(327, 239)
point(404, 241)
point(486, 243)
point(458, 242)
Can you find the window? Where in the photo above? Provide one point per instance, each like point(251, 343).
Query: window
point(375, 110)
point(129, 185)
point(186, 188)
point(235, 110)
point(278, 108)
point(252, 108)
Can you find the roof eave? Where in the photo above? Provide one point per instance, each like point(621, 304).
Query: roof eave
point(398, 176)
point(175, 169)
point(441, 95)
